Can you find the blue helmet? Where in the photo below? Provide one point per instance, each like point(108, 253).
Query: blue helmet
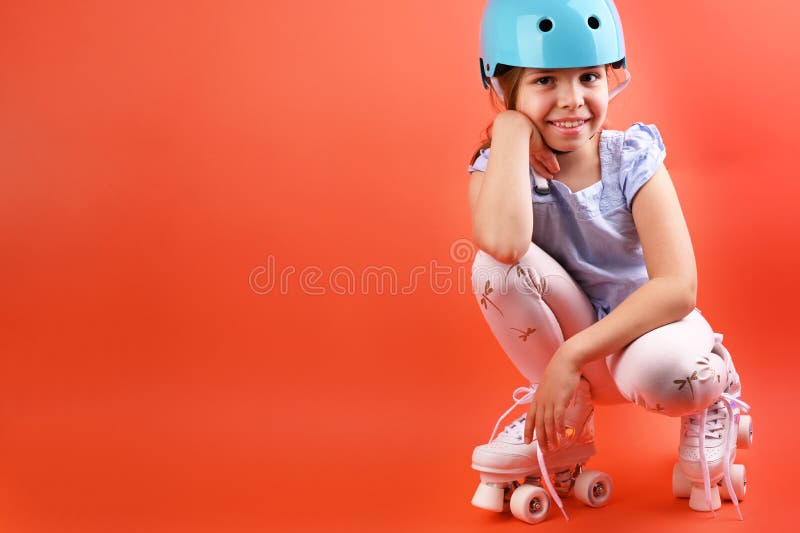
point(550, 34)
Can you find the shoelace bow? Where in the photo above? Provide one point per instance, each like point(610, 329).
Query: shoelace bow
point(527, 397)
point(729, 402)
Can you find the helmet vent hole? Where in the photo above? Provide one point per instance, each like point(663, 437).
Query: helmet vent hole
point(545, 25)
point(593, 22)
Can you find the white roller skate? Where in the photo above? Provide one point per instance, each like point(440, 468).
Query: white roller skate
point(507, 460)
point(708, 477)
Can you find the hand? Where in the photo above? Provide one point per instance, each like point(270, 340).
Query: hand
point(553, 394)
point(542, 158)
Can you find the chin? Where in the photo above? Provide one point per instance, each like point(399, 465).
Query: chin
point(568, 145)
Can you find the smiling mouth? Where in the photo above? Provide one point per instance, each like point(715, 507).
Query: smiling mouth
point(569, 131)
point(569, 124)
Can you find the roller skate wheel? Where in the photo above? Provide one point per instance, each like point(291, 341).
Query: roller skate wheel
point(530, 503)
point(744, 437)
point(739, 482)
point(593, 488)
point(488, 497)
point(681, 486)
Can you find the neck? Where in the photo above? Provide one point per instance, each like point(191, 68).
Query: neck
point(568, 161)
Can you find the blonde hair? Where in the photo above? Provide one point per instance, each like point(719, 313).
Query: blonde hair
point(509, 80)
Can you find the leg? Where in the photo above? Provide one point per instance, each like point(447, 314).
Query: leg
point(531, 308)
point(682, 369)
point(673, 369)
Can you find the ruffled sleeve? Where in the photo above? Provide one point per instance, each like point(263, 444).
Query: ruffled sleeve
point(643, 152)
point(481, 162)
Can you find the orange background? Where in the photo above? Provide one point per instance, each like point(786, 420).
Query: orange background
point(154, 156)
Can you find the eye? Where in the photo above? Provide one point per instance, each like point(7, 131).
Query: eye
point(589, 74)
point(536, 81)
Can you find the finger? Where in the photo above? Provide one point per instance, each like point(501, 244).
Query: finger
point(548, 160)
point(529, 419)
point(540, 434)
point(544, 159)
point(550, 427)
point(536, 136)
point(541, 170)
point(559, 416)
point(543, 152)
point(553, 163)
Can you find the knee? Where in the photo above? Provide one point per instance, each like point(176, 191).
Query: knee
point(672, 384)
point(687, 391)
point(490, 275)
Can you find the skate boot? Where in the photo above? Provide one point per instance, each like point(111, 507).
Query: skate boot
point(705, 472)
point(505, 460)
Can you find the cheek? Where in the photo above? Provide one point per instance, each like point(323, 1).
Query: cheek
point(534, 111)
point(600, 106)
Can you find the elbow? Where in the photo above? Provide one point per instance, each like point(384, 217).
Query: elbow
point(509, 256)
point(692, 299)
point(679, 294)
point(505, 240)
point(504, 253)
point(689, 292)
point(515, 254)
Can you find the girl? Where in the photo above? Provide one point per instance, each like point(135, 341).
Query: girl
point(585, 271)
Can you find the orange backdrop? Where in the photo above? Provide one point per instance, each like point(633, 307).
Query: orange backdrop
point(232, 295)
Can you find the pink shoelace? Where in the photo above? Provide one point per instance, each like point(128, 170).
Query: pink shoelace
point(731, 403)
point(527, 397)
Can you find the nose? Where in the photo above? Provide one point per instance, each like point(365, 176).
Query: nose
point(570, 94)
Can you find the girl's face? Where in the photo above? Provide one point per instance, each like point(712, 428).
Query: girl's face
point(549, 96)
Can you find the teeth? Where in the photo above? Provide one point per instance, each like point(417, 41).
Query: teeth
point(569, 124)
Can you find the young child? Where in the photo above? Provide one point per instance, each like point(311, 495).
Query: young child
point(585, 271)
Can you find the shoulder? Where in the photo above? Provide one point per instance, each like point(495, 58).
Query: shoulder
point(643, 153)
point(640, 137)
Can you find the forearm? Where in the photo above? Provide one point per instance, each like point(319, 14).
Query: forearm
point(503, 220)
point(658, 302)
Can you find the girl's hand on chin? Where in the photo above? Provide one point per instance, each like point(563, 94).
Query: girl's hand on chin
point(543, 159)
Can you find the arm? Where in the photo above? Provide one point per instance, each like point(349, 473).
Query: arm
point(502, 217)
point(669, 294)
